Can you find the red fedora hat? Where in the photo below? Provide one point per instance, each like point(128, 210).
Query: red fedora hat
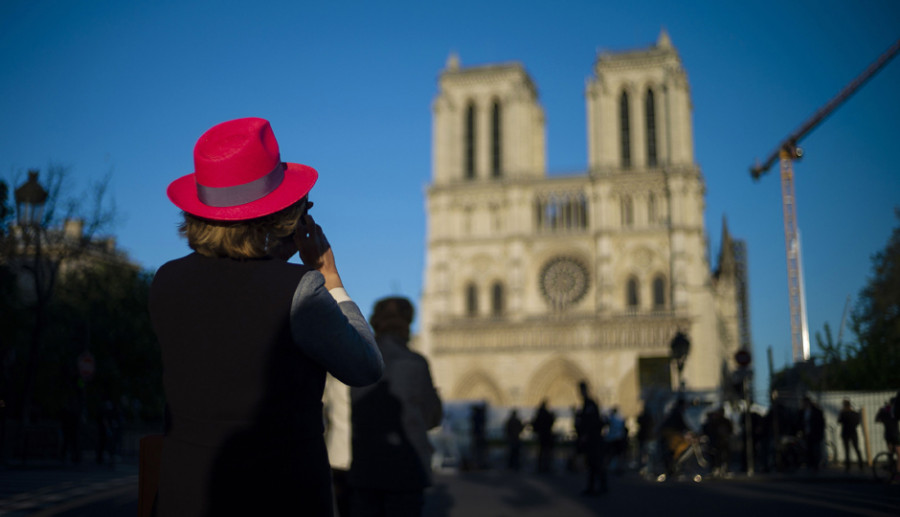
point(238, 174)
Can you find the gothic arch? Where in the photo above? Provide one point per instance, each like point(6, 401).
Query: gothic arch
point(627, 211)
point(471, 299)
point(469, 140)
point(498, 298)
point(659, 289)
point(557, 381)
point(624, 111)
point(478, 385)
point(651, 127)
point(632, 293)
point(496, 138)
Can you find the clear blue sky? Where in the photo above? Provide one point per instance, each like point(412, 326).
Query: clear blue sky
point(128, 87)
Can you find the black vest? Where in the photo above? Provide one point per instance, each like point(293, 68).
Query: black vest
point(244, 401)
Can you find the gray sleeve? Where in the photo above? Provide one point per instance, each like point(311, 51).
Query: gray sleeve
point(335, 335)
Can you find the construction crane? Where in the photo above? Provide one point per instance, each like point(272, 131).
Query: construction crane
point(786, 152)
point(840, 338)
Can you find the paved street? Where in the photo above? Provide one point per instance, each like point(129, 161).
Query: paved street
point(89, 491)
point(501, 494)
point(50, 490)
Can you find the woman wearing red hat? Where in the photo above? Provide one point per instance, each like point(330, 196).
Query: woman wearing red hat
point(247, 337)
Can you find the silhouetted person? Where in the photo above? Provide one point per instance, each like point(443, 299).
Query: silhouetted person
point(644, 435)
point(513, 430)
point(572, 461)
point(616, 439)
point(447, 448)
point(336, 414)
point(719, 429)
point(762, 438)
point(391, 451)
point(889, 416)
point(478, 423)
point(109, 427)
point(70, 420)
point(672, 432)
point(592, 423)
point(849, 420)
point(247, 337)
point(813, 432)
point(542, 425)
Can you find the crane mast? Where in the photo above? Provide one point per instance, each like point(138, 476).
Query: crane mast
point(786, 153)
point(796, 290)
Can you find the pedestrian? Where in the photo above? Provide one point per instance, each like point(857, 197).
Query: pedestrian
point(761, 426)
point(109, 425)
point(889, 416)
point(446, 454)
point(644, 435)
point(673, 435)
point(391, 451)
point(513, 430)
point(542, 425)
point(576, 452)
point(336, 415)
point(592, 443)
point(478, 424)
point(247, 337)
point(813, 432)
point(616, 439)
point(849, 420)
point(719, 429)
point(70, 423)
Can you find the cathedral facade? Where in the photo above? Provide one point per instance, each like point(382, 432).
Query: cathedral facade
point(534, 282)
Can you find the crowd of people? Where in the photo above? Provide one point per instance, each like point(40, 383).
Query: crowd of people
point(783, 439)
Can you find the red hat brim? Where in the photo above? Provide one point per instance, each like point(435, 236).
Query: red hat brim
point(298, 181)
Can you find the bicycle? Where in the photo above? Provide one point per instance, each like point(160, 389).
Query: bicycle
point(884, 466)
point(693, 462)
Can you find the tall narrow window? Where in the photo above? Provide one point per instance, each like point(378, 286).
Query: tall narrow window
point(497, 299)
point(471, 300)
point(625, 131)
point(496, 148)
point(470, 142)
point(582, 211)
point(627, 211)
point(650, 112)
point(659, 292)
point(651, 208)
point(631, 293)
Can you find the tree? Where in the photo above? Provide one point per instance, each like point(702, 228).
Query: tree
point(103, 309)
point(838, 369)
point(39, 252)
point(873, 361)
point(876, 319)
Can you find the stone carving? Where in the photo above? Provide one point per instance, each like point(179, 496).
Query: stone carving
point(564, 281)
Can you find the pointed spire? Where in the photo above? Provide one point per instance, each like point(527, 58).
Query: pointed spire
point(726, 250)
point(725, 233)
point(664, 41)
point(452, 62)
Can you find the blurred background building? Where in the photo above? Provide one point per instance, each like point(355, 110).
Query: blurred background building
point(534, 282)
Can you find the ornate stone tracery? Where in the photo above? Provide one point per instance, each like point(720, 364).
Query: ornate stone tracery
point(564, 281)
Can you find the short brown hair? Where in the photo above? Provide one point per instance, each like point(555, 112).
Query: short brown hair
point(249, 238)
point(392, 315)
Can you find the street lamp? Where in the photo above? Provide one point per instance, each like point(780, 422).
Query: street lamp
point(680, 347)
point(30, 199)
